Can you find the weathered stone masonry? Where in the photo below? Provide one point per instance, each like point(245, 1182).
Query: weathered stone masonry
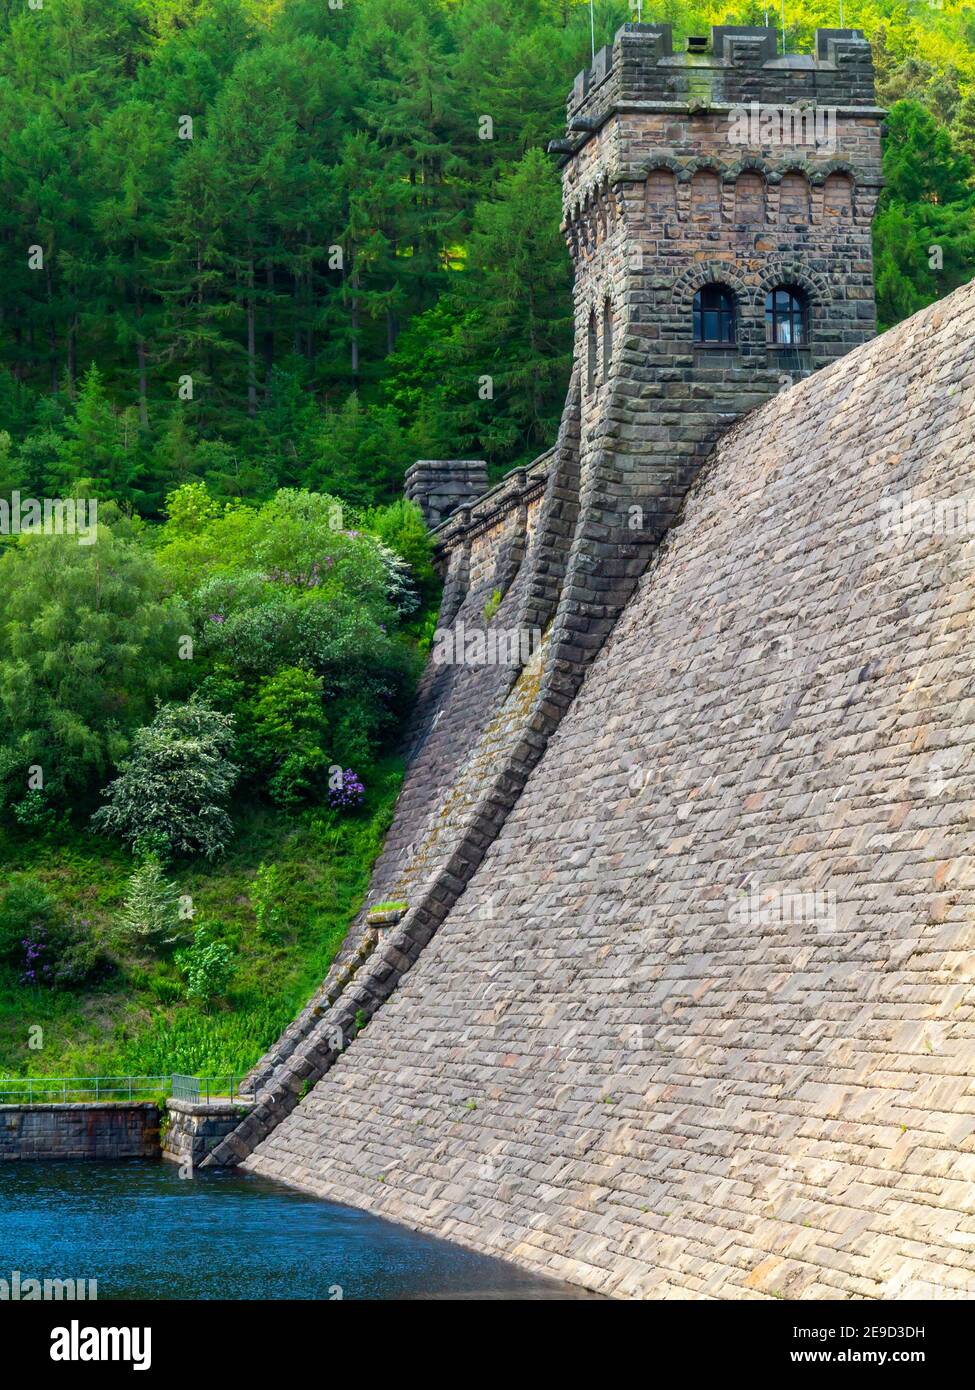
point(85, 1129)
point(657, 203)
point(609, 1064)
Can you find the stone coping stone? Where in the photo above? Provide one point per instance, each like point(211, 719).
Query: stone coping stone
point(82, 1105)
point(389, 918)
point(208, 1107)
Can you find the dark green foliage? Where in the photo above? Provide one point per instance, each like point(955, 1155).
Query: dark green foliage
point(360, 452)
point(88, 641)
point(925, 227)
point(288, 735)
point(402, 528)
point(208, 966)
point(47, 948)
point(486, 370)
point(26, 906)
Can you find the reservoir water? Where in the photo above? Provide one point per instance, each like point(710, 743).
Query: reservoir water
point(142, 1231)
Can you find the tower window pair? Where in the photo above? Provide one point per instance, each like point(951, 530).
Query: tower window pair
point(592, 348)
point(786, 317)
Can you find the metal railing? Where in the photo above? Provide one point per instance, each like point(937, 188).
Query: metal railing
point(46, 1090)
point(207, 1088)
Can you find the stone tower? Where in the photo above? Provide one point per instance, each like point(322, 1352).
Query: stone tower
point(718, 207)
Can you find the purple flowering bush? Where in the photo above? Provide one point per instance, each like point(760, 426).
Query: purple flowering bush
point(36, 967)
point(348, 794)
point(66, 957)
point(45, 948)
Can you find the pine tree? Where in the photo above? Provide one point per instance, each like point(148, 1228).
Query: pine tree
point(963, 126)
point(99, 444)
point(490, 367)
point(132, 157)
point(924, 231)
point(150, 918)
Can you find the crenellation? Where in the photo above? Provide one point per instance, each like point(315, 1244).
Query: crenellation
point(741, 64)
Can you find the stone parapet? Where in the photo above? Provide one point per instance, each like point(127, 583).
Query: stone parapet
point(517, 488)
point(107, 1130)
point(439, 486)
point(740, 64)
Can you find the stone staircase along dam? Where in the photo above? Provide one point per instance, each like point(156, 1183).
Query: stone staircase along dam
point(681, 1003)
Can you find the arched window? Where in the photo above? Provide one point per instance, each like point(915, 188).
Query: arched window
point(786, 317)
point(591, 352)
point(714, 315)
point(607, 338)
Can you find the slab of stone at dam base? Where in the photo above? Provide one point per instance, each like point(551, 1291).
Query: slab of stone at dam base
point(703, 1023)
point(85, 1129)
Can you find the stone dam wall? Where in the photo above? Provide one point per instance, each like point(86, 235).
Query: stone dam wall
point(699, 1020)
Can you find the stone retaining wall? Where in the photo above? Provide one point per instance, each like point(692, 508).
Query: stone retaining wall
point(195, 1128)
point(109, 1130)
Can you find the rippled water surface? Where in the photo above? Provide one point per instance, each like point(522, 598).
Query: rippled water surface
point(143, 1232)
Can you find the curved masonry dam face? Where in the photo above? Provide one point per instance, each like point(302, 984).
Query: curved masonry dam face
point(680, 1005)
point(702, 1023)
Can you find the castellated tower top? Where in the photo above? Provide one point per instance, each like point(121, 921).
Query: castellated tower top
point(735, 66)
point(717, 208)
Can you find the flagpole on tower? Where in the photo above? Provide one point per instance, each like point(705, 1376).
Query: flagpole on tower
point(783, 27)
point(592, 31)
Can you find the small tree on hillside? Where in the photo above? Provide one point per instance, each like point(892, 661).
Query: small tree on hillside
point(150, 917)
point(177, 782)
point(208, 966)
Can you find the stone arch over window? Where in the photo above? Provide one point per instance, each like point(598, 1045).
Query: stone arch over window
point(607, 338)
point(715, 313)
point(750, 198)
point(661, 193)
point(838, 195)
point(794, 198)
point(786, 316)
point(786, 272)
point(592, 352)
point(690, 281)
point(706, 196)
